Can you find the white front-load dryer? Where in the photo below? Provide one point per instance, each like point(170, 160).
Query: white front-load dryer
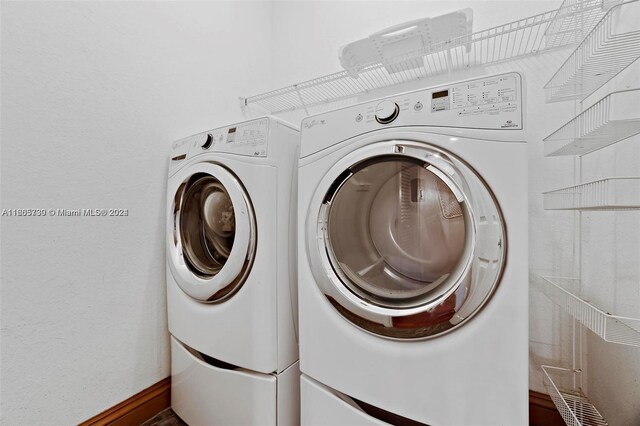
point(231, 286)
point(412, 234)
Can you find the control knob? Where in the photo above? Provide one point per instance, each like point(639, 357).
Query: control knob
point(208, 142)
point(386, 112)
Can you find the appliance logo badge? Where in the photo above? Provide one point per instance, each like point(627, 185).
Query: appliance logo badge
point(508, 124)
point(310, 124)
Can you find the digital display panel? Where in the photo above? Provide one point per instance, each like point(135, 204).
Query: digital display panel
point(441, 94)
point(232, 130)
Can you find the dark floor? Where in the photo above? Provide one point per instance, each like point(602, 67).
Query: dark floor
point(165, 418)
point(538, 416)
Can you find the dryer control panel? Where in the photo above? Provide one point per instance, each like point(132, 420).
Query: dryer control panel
point(489, 103)
point(482, 97)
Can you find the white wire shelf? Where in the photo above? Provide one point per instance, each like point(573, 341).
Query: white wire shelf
point(616, 193)
point(564, 389)
point(576, 18)
point(611, 46)
point(611, 328)
point(614, 118)
point(498, 44)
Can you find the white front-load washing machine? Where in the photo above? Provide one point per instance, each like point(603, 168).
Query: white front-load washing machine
point(231, 286)
point(412, 268)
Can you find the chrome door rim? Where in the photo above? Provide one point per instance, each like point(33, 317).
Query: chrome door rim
point(235, 270)
point(331, 260)
point(364, 313)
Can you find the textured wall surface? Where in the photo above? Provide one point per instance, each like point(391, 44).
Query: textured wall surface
point(92, 96)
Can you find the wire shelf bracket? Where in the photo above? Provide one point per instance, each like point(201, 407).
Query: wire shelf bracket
point(612, 119)
point(574, 407)
point(610, 328)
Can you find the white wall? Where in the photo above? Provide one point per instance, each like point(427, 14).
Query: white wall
point(93, 93)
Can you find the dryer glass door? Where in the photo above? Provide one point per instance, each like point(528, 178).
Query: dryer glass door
point(410, 245)
point(396, 230)
point(213, 233)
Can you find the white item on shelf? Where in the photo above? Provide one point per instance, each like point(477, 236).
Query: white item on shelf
point(612, 45)
point(574, 407)
point(615, 193)
point(611, 328)
point(401, 47)
point(610, 120)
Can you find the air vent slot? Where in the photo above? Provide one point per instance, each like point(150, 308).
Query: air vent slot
point(210, 360)
point(386, 416)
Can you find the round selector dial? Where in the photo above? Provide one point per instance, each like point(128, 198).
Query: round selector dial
point(386, 112)
point(208, 142)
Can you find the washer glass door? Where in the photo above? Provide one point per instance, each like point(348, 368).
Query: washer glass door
point(213, 233)
point(207, 226)
point(412, 244)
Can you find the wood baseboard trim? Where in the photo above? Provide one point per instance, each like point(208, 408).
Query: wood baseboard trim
point(542, 410)
point(137, 409)
point(156, 398)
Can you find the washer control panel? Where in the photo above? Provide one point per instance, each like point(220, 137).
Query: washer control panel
point(249, 139)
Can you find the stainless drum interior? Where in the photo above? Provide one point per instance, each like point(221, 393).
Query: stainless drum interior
point(413, 244)
point(207, 226)
point(212, 237)
point(396, 231)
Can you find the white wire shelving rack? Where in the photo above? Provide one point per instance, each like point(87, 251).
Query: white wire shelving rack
point(498, 44)
point(575, 18)
point(611, 44)
point(564, 388)
point(612, 119)
point(615, 193)
point(611, 328)
point(610, 47)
